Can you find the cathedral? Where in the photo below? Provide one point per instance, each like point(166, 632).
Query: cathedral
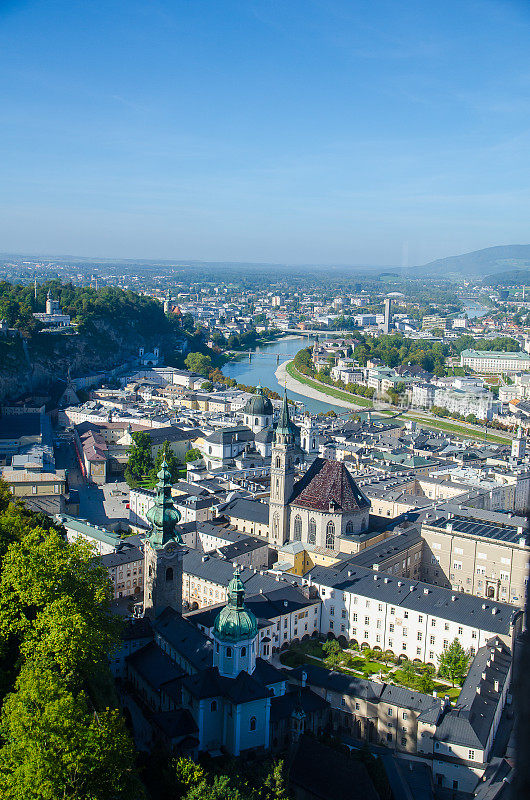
point(200, 694)
point(321, 509)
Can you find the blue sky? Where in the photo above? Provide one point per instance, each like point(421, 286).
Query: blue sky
point(322, 131)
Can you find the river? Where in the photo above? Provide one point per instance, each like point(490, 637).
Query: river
point(264, 365)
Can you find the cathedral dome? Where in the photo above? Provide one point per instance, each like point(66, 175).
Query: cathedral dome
point(258, 405)
point(234, 622)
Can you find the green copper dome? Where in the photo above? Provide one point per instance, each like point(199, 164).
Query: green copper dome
point(235, 623)
point(259, 404)
point(163, 516)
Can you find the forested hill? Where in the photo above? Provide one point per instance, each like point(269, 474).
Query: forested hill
point(111, 325)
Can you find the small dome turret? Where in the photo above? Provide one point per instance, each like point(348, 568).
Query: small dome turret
point(235, 622)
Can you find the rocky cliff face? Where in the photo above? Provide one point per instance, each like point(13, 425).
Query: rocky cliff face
point(41, 363)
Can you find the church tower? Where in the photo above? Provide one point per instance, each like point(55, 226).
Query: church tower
point(519, 444)
point(282, 477)
point(235, 633)
point(163, 551)
point(309, 435)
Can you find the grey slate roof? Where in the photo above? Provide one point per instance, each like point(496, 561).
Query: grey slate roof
point(387, 548)
point(125, 555)
point(338, 682)
point(490, 616)
point(172, 433)
point(241, 508)
point(154, 666)
point(283, 706)
point(470, 723)
point(209, 683)
point(408, 698)
point(214, 569)
point(188, 640)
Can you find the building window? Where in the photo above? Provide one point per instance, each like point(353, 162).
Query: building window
point(275, 525)
point(330, 535)
point(213, 705)
point(169, 574)
point(349, 526)
point(229, 652)
point(471, 755)
point(312, 535)
point(243, 651)
point(297, 528)
point(253, 723)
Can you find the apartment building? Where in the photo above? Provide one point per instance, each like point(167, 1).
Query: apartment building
point(485, 555)
point(494, 361)
point(125, 568)
point(409, 618)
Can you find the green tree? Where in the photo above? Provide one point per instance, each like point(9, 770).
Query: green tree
point(275, 786)
point(192, 455)
point(60, 733)
point(333, 653)
point(165, 453)
point(425, 683)
point(453, 662)
point(199, 363)
point(56, 745)
point(207, 386)
point(140, 461)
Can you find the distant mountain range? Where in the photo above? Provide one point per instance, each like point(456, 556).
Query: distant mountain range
point(492, 261)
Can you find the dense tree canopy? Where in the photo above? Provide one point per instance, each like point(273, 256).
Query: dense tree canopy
point(61, 735)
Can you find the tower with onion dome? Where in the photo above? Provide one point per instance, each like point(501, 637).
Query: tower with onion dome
point(235, 633)
point(163, 551)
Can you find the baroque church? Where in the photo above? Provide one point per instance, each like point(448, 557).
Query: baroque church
point(200, 694)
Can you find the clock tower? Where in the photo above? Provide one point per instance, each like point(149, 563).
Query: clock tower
point(282, 477)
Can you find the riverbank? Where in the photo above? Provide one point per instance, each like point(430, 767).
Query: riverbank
point(334, 396)
point(287, 375)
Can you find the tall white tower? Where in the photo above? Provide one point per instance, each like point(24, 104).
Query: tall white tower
point(282, 477)
point(519, 444)
point(309, 435)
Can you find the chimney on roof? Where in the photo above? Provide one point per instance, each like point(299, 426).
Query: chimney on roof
point(496, 686)
point(478, 689)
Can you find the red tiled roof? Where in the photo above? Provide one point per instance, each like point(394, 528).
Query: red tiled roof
point(328, 482)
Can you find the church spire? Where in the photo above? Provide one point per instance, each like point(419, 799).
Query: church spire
point(285, 426)
point(163, 516)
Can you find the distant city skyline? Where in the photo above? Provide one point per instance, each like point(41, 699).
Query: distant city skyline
point(324, 131)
